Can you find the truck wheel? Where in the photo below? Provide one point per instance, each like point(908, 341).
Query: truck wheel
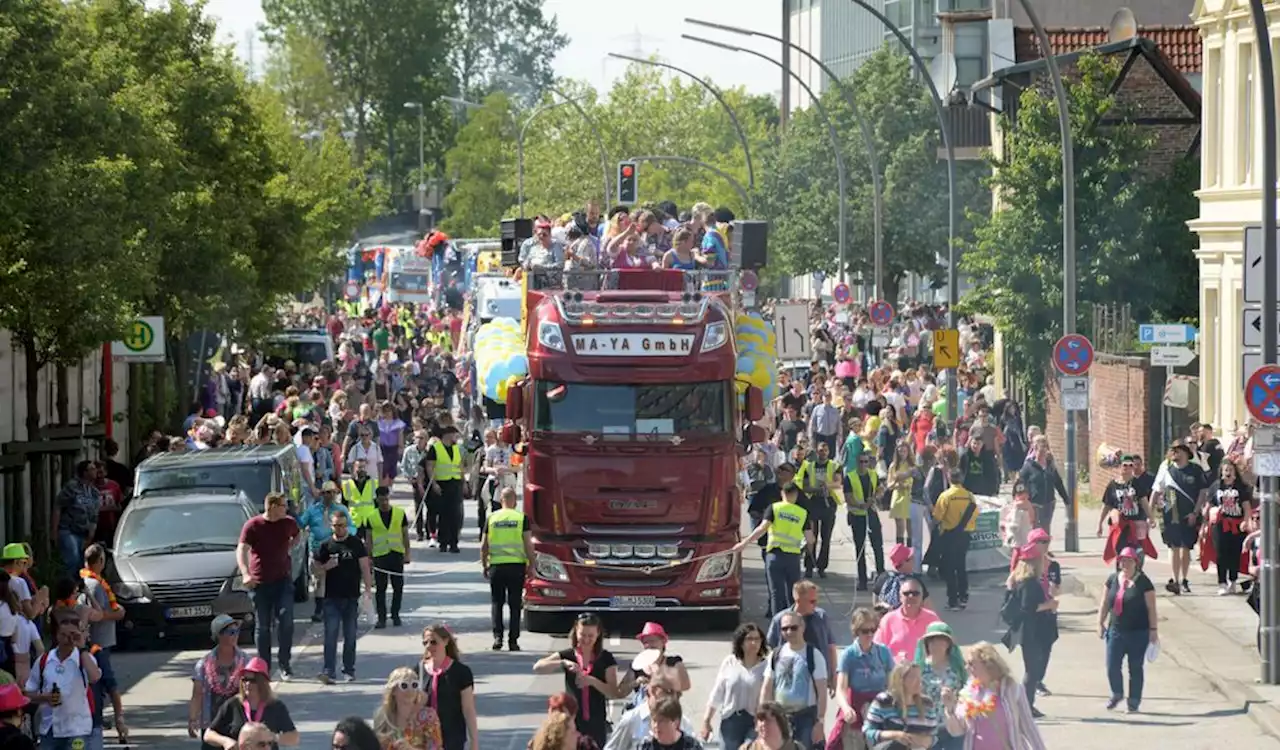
point(540, 622)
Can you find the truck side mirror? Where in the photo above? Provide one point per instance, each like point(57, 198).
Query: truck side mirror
point(756, 434)
point(510, 433)
point(755, 404)
point(515, 403)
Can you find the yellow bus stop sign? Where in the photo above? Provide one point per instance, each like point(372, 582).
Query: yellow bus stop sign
point(139, 337)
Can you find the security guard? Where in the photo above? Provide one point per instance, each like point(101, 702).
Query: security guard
point(387, 537)
point(505, 551)
point(790, 531)
point(444, 486)
point(820, 479)
point(861, 492)
point(358, 491)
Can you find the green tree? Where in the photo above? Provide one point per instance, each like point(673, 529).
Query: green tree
point(493, 37)
point(482, 160)
point(297, 69)
point(1132, 243)
point(799, 194)
point(379, 56)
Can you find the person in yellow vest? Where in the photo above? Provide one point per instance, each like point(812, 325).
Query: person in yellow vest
point(790, 530)
point(358, 492)
point(387, 536)
point(820, 479)
point(505, 551)
point(443, 467)
point(861, 492)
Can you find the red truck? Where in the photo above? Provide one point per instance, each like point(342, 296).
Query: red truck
point(632, 431)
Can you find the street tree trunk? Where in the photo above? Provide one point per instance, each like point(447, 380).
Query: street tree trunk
point(41, 502)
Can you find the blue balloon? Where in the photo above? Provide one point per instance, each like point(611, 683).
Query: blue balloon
point(745, 364)
point(518, 364)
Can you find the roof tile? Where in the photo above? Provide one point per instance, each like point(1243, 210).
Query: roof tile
point(1181, 45)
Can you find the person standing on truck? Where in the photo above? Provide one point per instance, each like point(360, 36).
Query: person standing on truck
point(820, 479)
point(505, 551)
point(787, 524)
point(443, 467)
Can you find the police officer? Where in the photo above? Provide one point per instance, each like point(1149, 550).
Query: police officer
point(358, 491)
point(820, 479)
point(505, 551)
point(790, 531)
point(443, 465)
point(387, 537)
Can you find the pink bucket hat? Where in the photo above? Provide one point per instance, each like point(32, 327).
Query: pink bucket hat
point(899, 553)
point(652, 629)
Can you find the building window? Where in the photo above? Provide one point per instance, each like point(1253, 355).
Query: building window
point(1211, 146)
point(1246, 132)
point(969, 71)
point(893, 11)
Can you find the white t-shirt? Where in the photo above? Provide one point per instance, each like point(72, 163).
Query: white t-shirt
point(18, 585)
point(793, 677)
point(305, 458)
point(72, 718)
point(9, 621)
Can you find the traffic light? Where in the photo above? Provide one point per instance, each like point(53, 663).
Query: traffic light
point(627, 191)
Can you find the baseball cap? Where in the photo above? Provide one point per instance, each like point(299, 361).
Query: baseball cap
point(219, 624)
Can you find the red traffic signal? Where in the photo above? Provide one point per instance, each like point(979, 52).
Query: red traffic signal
point(627, 171)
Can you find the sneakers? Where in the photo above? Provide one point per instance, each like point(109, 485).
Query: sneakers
point(1224, 589)
point(1186, 586)
point(513, 646)
point(1114, 701)
point(953, 607)
point(454, 549)
point(1043, 690)
point(317, 617)
point(1232, 588)
point(325, 678)
point(396, 621)
point(431, 543)
point(381, 624)
point(1131, 709)
point(286, 673)
point(497, 644)
point(349, 676)
point(1036, 713)
point(1172, 587)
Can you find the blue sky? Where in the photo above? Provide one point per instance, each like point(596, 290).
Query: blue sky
point(597, 27)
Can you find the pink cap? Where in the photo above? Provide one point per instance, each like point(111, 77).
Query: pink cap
point(1037, 536)
point(1128, 553)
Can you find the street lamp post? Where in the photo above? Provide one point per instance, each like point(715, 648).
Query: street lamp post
point(742, 191)
point(422, 166)
point(733, 116)
point(868, 137)
point(826, 119)
point(595, 128)
point(953, 275)
point(524, 127)
point(1068, 253)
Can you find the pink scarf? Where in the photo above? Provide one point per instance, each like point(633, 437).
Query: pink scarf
point(584, 667)
point(1117, 606)
point(435, 681)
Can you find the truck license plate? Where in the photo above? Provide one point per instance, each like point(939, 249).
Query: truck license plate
point(633, 602)
point(186, 613)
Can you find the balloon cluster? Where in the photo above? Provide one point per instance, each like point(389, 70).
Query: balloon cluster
point(757, 354)
point(500, 357)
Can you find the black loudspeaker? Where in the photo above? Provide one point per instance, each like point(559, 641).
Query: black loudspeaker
point(514, 233)
point(751, 240)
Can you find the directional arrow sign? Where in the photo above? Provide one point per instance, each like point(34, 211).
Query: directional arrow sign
point(792, 324)
point(1253, 281)
point(1171, 356)
point(1252, 325)
point(1262, 394)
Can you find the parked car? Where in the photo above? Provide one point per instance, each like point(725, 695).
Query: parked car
point(252, 469)
point(302, 346)
point(174, 561)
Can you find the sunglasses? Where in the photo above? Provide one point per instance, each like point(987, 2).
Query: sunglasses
point(409, 685)
point(234, 630)
point(251, 679)
point(789, 628)
point(909, 593)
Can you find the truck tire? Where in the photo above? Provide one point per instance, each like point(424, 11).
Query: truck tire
point(727, 621)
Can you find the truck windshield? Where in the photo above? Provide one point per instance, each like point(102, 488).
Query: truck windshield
point(409, 282)
point(634, 411)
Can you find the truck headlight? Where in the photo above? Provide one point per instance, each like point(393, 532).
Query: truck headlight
point(551, 336)
point(715, 568)
point(132, 590)
point(548, 568)
point(715, 336)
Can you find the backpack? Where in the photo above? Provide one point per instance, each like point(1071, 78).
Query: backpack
point(88, 688)
point(809, 652)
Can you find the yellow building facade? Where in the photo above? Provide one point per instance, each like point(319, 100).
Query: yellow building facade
point(1230, 196)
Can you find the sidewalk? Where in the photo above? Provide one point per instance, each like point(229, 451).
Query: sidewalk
point(1207, 635)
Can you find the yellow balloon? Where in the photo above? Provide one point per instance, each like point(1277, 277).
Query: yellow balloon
point(741, 385)
point(502, 391)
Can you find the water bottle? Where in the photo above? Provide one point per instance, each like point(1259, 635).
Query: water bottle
point(55, 697)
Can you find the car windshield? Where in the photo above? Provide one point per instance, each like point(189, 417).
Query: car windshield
point(634, 411)
point(189, 526)
point(300, 352)
point(409, 282)
point(253, 480)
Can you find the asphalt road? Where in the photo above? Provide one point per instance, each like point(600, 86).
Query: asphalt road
point(1180, 710)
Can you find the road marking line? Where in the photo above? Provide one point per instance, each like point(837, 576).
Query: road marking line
point(615, 641)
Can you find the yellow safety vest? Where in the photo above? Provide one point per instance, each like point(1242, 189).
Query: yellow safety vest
point(359, 502)
point(855, 484)
point(387, 539)
point(786, 532)
point(447, 467)
point(506, 537)
point(808, 469)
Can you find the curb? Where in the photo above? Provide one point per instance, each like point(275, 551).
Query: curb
point(1257, 708)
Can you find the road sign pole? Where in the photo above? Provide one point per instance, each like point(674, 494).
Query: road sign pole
point(1072, 355)
point(1270, 515)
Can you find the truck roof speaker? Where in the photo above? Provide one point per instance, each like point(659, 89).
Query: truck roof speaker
point(751, 240)
point(514, 233)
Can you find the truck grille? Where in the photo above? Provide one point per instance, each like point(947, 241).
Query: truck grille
point(186, 593)
point(644, 582)
point(643, 554)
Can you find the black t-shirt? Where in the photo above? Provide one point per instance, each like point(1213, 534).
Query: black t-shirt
point(791, 430)
point(233, 716)
point(596, 701)
point(685, 742)
point(353, 430)
point(451, 684)
point(12, 738)
point(1191, 480)
point(1041, 625)
point(790, 399)
point(344, 580)
point(1123, 496)
point(1230, 498)
point(1143, 483)
point(1133, 615)
point(1214, 452)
